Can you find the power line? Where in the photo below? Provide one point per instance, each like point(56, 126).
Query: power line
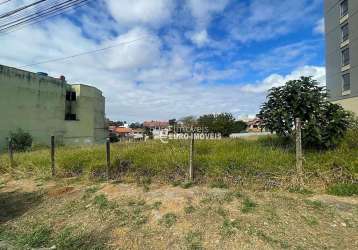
point(38, 14)
point(3, 2)
point(21, 9)
point(84, 53)
point(42, 15)
point(42, 7)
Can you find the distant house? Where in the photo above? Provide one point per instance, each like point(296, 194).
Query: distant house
point(138, 133)
point(158, 128)
point(123, 132)
point(255, 125)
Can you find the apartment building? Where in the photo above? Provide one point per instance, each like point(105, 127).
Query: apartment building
point(341, 25)
point(44, 106)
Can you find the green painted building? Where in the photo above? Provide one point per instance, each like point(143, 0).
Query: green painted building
point(46, 106)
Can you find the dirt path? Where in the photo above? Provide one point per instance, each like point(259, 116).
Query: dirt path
point(125, 216)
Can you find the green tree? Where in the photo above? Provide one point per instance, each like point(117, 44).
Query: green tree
point(239, 126)
point(323, 123)
point(189, 121)
point(223, 123)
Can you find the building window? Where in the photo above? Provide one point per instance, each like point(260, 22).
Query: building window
point(346, 78)
point(344, 8)
point(70, 96)
point(70, 117)
point(345, 32)
point(345, 57)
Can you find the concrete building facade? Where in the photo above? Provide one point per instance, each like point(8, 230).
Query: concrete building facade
point(341, 25)
point(46, 106)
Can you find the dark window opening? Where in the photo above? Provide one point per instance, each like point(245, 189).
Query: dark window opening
point(345, 57)
point(346, 82)
point(345, 32)
point(70, 96)
point(344, 8)
point(71, 117)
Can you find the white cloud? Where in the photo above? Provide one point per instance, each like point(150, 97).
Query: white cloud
point(141, 12)
point(319, 28)
point(143, 50)
point(199, 38)
point(276, 80)
point(202, 10)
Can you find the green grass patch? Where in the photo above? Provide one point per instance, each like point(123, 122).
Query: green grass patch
point(314, 203)
point(229, 227)
point(101, 201)
point(248, 206)
point(168, 220)
point(193, 241)
point(343, 189)
point(189, 209)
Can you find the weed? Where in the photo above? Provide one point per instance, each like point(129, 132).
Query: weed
point(186, 184)
point(229, 227)
point(310, 220)
point(248, 205)
point(92, 190)
point(314, 203)
point(71, 239)
point(168, 220)
point(139, 219)
point(101, 201)
point(189, 209)
point(193, 241)
point(220, 183)
point(343, 189)
point(156, 205)
point(39, 236)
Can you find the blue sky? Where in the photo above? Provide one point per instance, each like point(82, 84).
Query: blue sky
point(189, 57)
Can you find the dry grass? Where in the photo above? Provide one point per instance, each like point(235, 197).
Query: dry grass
point(267, 160)
point(76, 214)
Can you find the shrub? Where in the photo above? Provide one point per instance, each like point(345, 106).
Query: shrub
point(21, 141)
point(343, 189)
point(323, 123)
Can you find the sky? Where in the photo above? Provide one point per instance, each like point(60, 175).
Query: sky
point(174, 58)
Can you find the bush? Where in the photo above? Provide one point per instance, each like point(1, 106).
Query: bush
point(343, 189)
point(324, 124)
point(21, 141)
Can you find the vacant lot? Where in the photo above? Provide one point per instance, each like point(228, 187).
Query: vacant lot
point(268, 161)
point(72, 214)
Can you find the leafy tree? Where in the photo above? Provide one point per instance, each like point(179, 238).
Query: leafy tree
point(135, 125)
point(21, 140)
point(239, 126)
point(223, 123)
point(189, 121)
point(323, 123)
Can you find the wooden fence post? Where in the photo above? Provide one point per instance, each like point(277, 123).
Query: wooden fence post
point(53, 171)
point(191, 157)
point(299, 157)
point(11, 152)
point(108, 156)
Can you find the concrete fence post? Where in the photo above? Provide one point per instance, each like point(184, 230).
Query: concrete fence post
point(108, 157)
point(191, 157)
point(11, 152)
point(53, 170)
point(299, 156)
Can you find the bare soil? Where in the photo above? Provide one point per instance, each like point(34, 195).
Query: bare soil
point(126, 216)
